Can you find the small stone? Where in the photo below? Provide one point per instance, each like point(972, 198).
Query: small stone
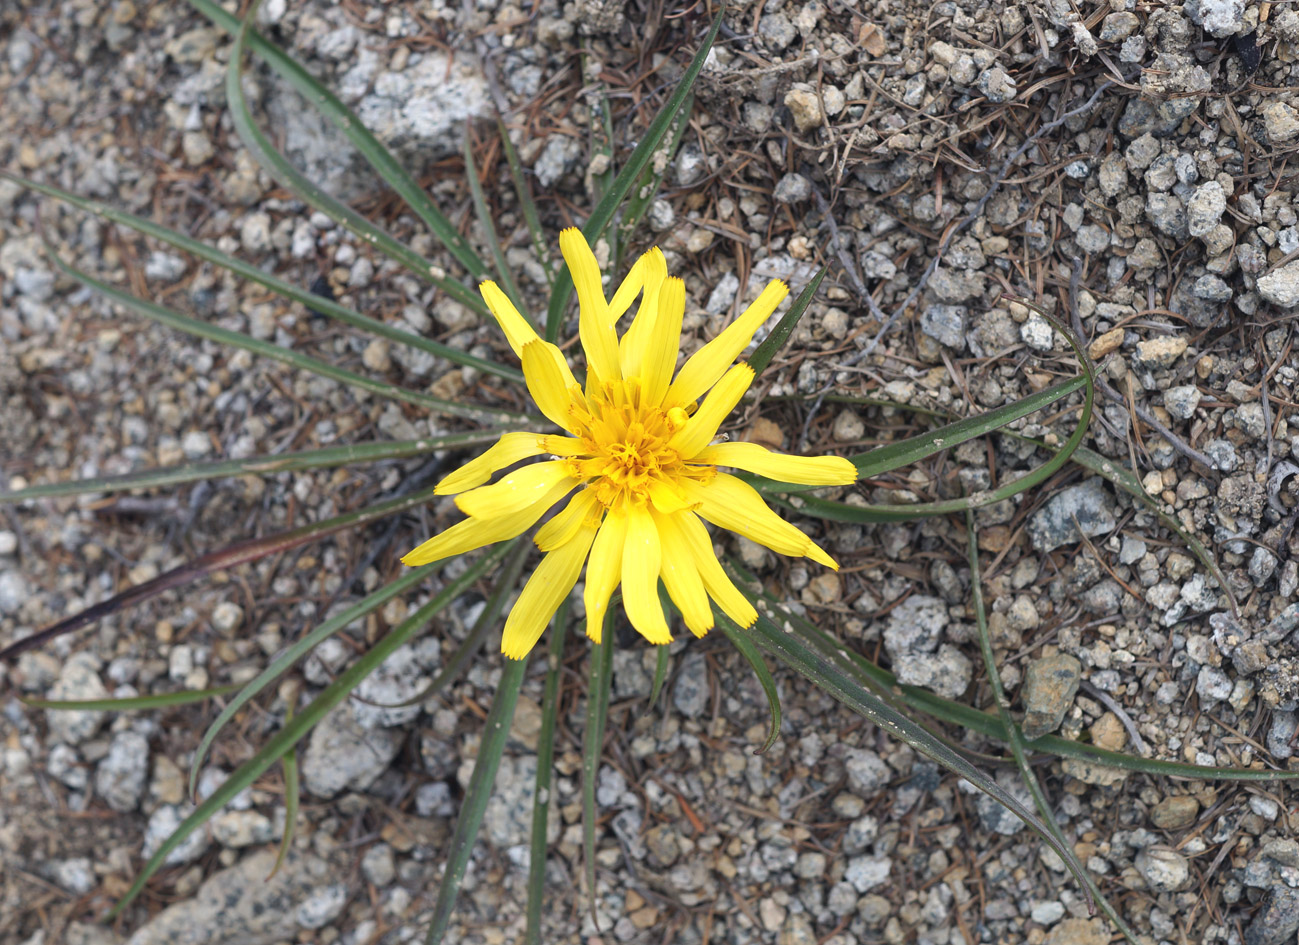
point(121, 776)
point(1205, 208)
point(236, 829)
point(8, 543)
point(1181, 402)
point(378, 865)
point(255, 232)
point(1049, 687)
point(1174, 813)
point(997, 85)
point(323, 906)
point(1281, 286)
point(75, 875)
point(1159, 352)
point(1080, 932)
point(1219, 18)
point(1281, 122)
point(162, 824)
point(1277, 920)
point(342, 755)
point(78, 681)
point(197, 148)
point(1089, 504)
point(866, 771)
point(946, 324)
point(792, 188)
point(867, 872)
point(915, 626)
point(1106, 344)
point(1037, 333)
point(663, 844)
point(1117, 27)
point(804, 107)
point(375, 356)
point(1280, 734)
point(13, 591)
point(227, 616)
point(1047, 913)
point(947, 672)
point(196, 444)
point(1163, 870)
point(847, 427)
point(690, 694)
point(1212, 288)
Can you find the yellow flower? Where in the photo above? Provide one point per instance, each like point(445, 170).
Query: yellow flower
point(641, 455)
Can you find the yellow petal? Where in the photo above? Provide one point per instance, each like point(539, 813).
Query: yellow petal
point(717, 406)
point(642, 556)
point(732, 504)
point(561, 529)
point(550, 382)
point(599, 339)
point(506, 451)
point(562, 445)
point(475, 533)
point(519, 490)
point(807, 470)
point(664, 343)
point(516, 328)
point(719, 586)
point(709, 363)
point(631, 347)
point(604, 571)
point(681, 576)
point(666, 497)
point(649, 269)
point(542, 595)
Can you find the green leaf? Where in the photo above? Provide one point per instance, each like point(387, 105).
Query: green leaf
point(484, 215)
point(301, 724)
point(495, 732)
point(236, 339)
point(275, 164)
point(279, 286)
point(741, 642)
point(157, 700)
point(647, 189)
point(299, 649)
point(1026, 773)
point(292, 797)
point(833, 677)
point(597, 711)
point(602, 215)
point(663, 659)
point(267, 465)
point(886, 686)
point(779, 335)
point(329, 105)
point(545, 774)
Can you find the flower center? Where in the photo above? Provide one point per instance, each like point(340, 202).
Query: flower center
point(625, 444)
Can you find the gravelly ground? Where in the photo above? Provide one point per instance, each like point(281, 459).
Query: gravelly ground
point(1141, 160)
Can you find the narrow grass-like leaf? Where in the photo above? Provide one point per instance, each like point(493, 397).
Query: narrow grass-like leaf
point(662, 659)
point(885, 685)
point(292, 797)
point(526, 202)
point(324, 458)
point(1016, 739)
point(502, 588)
point(236, 339)
point(740, 640)
point(309, 193)
point(630, 173)
point(221, 559)
point(279, 286)
point(597, 710)
point(831, 676)
point(299, 649)
point(496, 731)
point(484, 214)
point(545, 774)
point(1127, 480)
point(645, 192)
point(157, 700)
point(369, 147)
point(302, 723)
point(843, 512)
point(779, 335)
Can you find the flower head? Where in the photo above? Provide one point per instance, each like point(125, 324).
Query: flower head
point(638, 451)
